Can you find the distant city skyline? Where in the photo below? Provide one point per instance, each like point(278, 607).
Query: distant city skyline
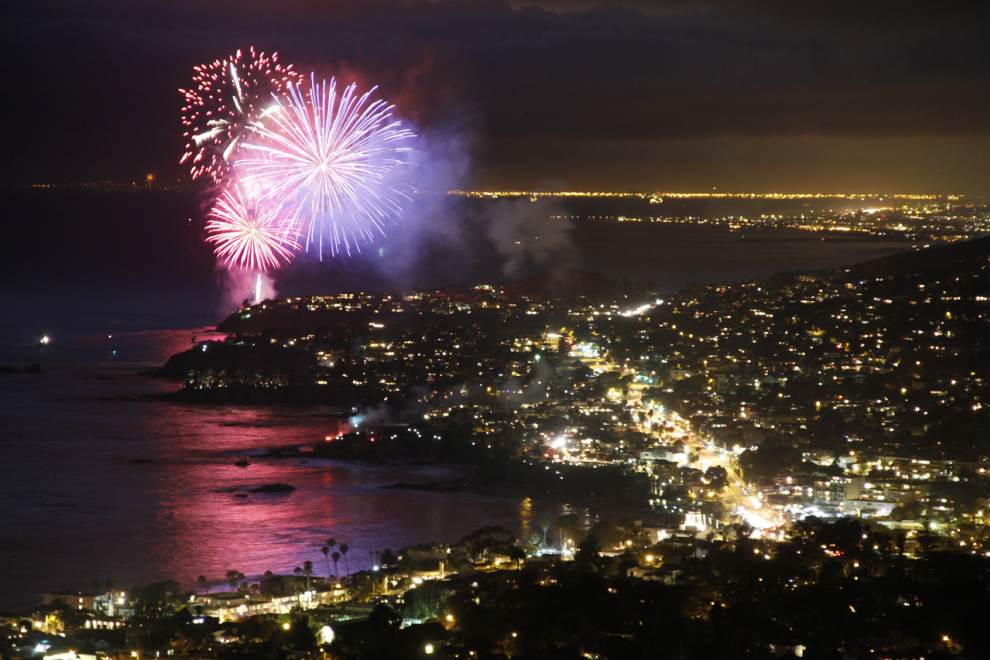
point(151, 181)
point(545, 95)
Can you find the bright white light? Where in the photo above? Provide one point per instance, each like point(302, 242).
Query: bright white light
point(754, 519)
point(636, 311)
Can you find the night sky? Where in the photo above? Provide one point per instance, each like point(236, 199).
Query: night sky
point(889, 96)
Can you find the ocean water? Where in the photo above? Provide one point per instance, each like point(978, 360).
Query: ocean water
point(99, 482)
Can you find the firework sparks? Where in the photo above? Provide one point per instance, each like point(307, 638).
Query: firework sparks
point(332, 160)
point(247, 232)
point(225, 98)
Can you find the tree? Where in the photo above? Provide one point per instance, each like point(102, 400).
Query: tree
point(343, 552)
point(425, 602)
point(331, 544)
point(767, 462)
point(567, 528)
point(928, 541)
point(717, 477)
point(234, 578)
point(301, 636)
point(387, 558)
point(152, 624)
point(482, 544)
point(910, 509)
point(535, 542)
point(307, 571)
point(383, 619)
point(611, 534)
point(383, 635)
point(336, 558)
point(326, 557)
point(587, 552)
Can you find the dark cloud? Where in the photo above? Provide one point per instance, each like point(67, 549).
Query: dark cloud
point(95, 81)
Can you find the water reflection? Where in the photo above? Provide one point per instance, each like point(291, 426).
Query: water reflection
point(211, 521)
point(139, 490)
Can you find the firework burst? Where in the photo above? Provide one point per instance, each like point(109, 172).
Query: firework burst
point(225, 98)
point(332, 160)
point(247, 233)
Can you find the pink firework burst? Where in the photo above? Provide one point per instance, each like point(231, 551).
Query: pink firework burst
point(226, 97)
point(246, 232)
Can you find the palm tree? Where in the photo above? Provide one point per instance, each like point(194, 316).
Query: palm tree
point(343, 551)
point(336, 558)
point(326, 557)
point(307, 570)
point(331, 544)
point(201, 582)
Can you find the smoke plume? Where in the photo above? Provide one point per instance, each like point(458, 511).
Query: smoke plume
point(525, 236)
point(239, 286)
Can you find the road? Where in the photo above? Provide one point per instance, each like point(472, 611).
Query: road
point(738, 496)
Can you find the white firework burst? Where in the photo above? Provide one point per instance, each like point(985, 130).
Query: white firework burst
point(333, 161)
point(247, 232)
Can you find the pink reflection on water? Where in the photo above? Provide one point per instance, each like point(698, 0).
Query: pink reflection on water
point(209, 521)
